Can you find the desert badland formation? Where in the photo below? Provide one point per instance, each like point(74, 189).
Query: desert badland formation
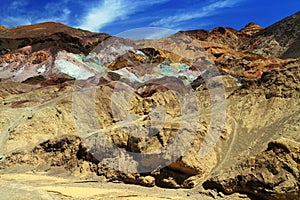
point(197, 115)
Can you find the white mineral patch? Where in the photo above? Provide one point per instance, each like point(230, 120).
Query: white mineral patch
point(124, 72)
point(73, 70)
point(41, 69)
point(4, 65)
point(20, 71)
point(138, 52)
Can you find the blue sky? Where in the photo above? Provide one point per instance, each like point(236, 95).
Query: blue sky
point(115, 16)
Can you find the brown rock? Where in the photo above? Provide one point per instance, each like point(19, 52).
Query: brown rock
point(278, 40)
point(43, 114)
point(271, 175)
point(251, 29)
point(50, 36)
point(220, 35)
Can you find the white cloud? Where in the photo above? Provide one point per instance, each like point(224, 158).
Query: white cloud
point(55, 12)
point(11, 21)
point(10, 16)
point(147, 33)
point(102, 13)
point(111, 10)
point(206, 11)
point(107, 12)
point(15, 13)
point(17, 4)
point(63, 17)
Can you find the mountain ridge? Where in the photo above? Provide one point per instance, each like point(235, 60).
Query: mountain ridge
point(282, 39)
point(212, 113)
point(49, 38)
point(45, 35)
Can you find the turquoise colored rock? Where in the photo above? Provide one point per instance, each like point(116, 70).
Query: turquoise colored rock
point(91, 62)
point(165, 70)
point(182, 67)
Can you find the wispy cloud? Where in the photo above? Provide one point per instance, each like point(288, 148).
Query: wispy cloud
point(17, 4)
point(62, 17)
point(11, 21)
point(206, 11)
point(112, 15)
point(57, 12)
point(11, 15)
point(109, 11)
point(17, 13)
point(147, 33)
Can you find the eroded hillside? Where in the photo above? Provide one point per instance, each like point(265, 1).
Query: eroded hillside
point(194, 112)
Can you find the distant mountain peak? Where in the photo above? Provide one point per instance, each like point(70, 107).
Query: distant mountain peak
point(281, 39)
point(251, 24)
point(50, 36)
point(251, 29)
point(44, 24)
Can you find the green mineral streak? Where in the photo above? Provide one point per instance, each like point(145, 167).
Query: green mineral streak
point(97, 68)
point(165, 70)
point(73, 70)
point(192, 78)
point(182, 67)
point(239, 84)
point(91, 62)
point(87, 59)
point(79, 57)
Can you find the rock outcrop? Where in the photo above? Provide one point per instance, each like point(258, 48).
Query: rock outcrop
point(271, 175)
point(281, 39)
point(251, 29)
point(220, 35)
point(51, 37)
point(198, 107)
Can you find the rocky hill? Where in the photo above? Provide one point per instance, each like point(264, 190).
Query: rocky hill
point(213, 114)
point(49, 36)
point(227, 36)
point(281, 39)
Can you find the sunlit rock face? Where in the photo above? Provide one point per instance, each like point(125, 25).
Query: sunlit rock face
point(48, 50)
point(195, 107)
point(251, 29)
point(76, 54)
